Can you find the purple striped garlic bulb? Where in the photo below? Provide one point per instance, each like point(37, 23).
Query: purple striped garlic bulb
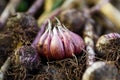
point(28, 57)
point(58, 42)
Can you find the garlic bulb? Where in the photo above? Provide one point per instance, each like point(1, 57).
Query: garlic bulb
point(58, 42)
point(74, 19)
point(101, 71)
point(109, 46)
point(22, 26)
point(28, 57)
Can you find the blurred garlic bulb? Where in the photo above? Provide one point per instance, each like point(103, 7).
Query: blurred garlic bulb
point(101, 71)
point(22, 26)
point(58, 42)
point(28, 57)
point(74, 19)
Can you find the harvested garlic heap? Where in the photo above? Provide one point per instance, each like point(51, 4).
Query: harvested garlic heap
point(58, 42)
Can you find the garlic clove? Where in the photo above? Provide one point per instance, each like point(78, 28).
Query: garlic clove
point(41, 42)
point(56, 47)
point(45, 34)
point(76, 40)
point(46, 45)
point(68, 46)
point(43, 37)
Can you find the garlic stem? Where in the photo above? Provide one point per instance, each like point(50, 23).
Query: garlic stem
point(50, 15)
point(36, 5)
point(10, 8)
point(88, 38)
point(4, 68)
point(112, 13)
point(96, 1)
